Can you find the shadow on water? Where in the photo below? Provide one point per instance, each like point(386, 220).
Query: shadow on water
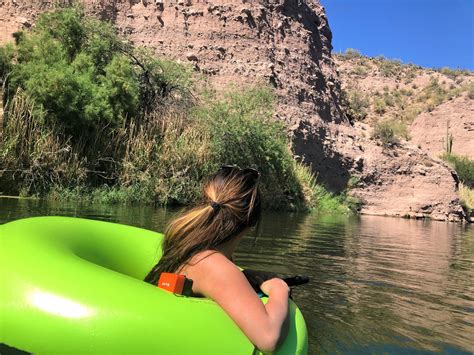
point(378, 285)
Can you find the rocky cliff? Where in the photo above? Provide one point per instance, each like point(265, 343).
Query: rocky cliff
point(286, 44)
point(427, 107)
point(425, 100)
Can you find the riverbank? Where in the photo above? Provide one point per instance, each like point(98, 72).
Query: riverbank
point(152, 136)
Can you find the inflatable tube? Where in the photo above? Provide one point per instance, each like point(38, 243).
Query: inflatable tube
point(72, 286)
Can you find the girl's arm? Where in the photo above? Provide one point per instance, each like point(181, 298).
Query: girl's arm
point(216, 277)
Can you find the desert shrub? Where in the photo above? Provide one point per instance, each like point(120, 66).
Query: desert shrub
point(453, 73)
point(464, 167)
point(390, 131)
point(470, 91)
point(410, 112)
point(390, 67)
point(360, 71)
point(394, 98)
point(411, 72)
point(379, 105)
point(432, 95)
point(388, 99)
point(358, 104)
point(352, 53)
point(406, 92)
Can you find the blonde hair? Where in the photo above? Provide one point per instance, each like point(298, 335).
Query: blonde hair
point(231, 203)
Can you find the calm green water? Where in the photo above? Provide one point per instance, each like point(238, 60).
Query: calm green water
point(378, 285)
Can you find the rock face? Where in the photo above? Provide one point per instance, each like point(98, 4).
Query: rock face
point(455, 117)
point(286, 44)
point(402, 180)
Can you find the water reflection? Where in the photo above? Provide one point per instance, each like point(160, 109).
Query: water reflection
point(378, 285)
point(144, 217)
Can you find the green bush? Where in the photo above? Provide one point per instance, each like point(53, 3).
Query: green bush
point(360, 71)
point(358, 105)
point(390, 131)
point(352, 53)
point(464, 167)
point(242, 131)
point(6, 58)
point(390, 67)
point(79, 71)
point(379, 105)
point(470, 91)
point(453, 73)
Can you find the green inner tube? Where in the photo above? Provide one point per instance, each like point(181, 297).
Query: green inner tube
point(70, 285)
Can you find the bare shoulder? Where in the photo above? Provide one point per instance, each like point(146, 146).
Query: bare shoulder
point(210, 262)
point(210, 268)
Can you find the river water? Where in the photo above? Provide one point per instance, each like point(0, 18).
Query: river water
point(378, 284)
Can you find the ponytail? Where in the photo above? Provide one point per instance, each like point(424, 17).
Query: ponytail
point(231, 204)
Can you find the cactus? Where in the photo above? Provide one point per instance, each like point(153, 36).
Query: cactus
point(449, 140)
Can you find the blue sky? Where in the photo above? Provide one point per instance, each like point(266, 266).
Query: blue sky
point(430, 33)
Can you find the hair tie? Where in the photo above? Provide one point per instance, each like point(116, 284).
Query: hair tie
point(215, 206)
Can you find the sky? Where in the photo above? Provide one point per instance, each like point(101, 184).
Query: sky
point(430, 33)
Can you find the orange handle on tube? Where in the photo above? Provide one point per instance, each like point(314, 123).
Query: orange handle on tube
point(172, 282)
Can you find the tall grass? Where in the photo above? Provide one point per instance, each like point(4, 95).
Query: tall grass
point(466, 196)
point(32, 156)
point(316, 196)
point(464, 167)
point(165, 159)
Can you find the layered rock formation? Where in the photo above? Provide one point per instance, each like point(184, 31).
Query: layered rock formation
point(286, 44)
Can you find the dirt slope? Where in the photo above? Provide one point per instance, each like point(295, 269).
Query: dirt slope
point(431, 103)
